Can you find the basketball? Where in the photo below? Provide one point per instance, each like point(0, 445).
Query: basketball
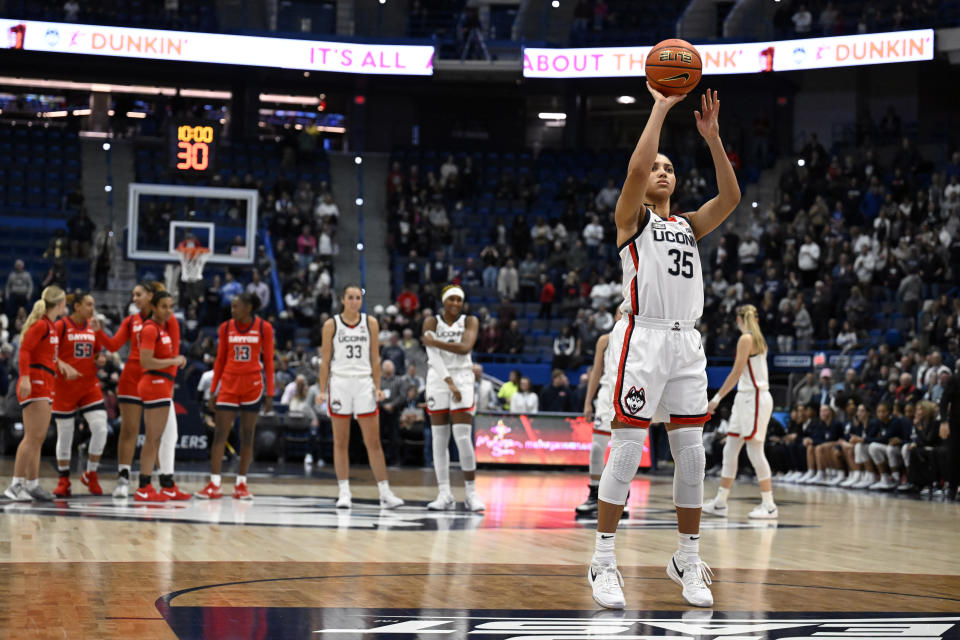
point(673, 67)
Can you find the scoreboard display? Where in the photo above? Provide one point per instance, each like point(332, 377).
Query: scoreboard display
point(193, 147)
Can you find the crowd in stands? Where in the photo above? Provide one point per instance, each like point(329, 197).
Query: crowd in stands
point(813, 18)
point(886, 427)
point(190, 15)
point(864, 244)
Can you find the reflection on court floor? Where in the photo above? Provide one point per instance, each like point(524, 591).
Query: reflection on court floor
point(318, 512)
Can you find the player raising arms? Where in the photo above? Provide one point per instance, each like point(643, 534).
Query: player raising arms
point(160, 363)
point(350, 381)
point(37, 367)
point(604, 374)
point(242, 341)
point(80, 396)
point(131, 408)
point(661, 367)
point(751, 413)
point(449, 339)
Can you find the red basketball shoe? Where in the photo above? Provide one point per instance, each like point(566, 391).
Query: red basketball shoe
point(89, 478)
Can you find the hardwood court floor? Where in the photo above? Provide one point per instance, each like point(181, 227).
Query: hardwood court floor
point(289, 564)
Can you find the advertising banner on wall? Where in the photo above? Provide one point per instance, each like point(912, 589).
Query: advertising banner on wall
point(217, 48)
point(750, 57)
point(546, 439)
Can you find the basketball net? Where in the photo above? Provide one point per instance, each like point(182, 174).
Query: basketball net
point(192, 260)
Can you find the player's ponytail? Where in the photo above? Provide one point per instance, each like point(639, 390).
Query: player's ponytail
point(49, 298)
point(748, 313)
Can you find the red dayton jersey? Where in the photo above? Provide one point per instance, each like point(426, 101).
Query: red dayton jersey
point(156, 338)
point(240, 348)
point(130, 330)
point(39, 347)
point(79, 346)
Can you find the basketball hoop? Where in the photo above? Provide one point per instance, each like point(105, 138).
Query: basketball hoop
point(192, 260)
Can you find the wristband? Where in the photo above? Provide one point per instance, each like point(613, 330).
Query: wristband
point(716, 398)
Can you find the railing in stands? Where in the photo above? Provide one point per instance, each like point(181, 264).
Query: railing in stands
point(274, 280)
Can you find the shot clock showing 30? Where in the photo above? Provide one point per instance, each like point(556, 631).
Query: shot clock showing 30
point(193, 147)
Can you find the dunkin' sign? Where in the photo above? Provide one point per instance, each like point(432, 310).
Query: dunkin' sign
point(181, 46)
point(752, 57)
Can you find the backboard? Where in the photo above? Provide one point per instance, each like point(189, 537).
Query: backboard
point(160, 217)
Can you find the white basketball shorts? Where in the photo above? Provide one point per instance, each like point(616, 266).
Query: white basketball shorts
point(439, 398)
point(348, 397)
point(751, 414)
point(604, 411)
point(661, 372)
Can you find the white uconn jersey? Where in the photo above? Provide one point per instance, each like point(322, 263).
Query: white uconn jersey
point(453, 333)
point(351, 348)
point(754, 376)
point(661, 270)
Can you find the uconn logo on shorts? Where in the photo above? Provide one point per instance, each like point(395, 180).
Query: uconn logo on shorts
point(635, 400)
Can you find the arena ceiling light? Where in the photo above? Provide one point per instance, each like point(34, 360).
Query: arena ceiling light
point(101, 87)
point(285, 99)
point(626, 99)
point(206, 93)
point(551, 115)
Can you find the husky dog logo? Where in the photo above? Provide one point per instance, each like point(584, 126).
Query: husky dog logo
point(335, 405)
point(636, 399)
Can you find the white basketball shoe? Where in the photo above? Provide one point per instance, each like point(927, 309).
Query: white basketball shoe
point(713, 507)
point(607, 584)
point(473, 502)
point(444, 502)
point(345, 500)
point(389, 501)
point(764, 512)
point(694, 578)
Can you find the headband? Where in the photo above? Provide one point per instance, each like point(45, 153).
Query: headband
point(452, 291)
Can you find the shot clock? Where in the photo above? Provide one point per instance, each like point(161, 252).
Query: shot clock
point(193, 147)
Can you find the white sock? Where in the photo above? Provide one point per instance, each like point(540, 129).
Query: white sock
point(215, 479)
point(63, 467)
point(92, 466)
point(445, 488)
point(603, 552)
point(124, 466)
point(594, 482)
point(384, 487)
point(766, 498)
point(33, 484)
point(471, 486)
point(344, 486)
point(240, 480)
point(722, 495)
point(689, 547)
point(18, 481)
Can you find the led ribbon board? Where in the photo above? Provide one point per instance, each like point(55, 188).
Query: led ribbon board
point(216, 48)
point(750, 57)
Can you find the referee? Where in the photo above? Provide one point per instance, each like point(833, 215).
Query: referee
point(950, 433)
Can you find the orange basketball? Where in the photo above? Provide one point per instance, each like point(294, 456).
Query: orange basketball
point(673, 67)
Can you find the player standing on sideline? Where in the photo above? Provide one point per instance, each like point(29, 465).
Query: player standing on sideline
point(449, 338)
point(751, 413)
point(35, 393)
point(131, 408)
point(661, 367)
point(160, 363)
point(242, 341)
point(78, 347)
point(350, 381)
point(604, 374)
